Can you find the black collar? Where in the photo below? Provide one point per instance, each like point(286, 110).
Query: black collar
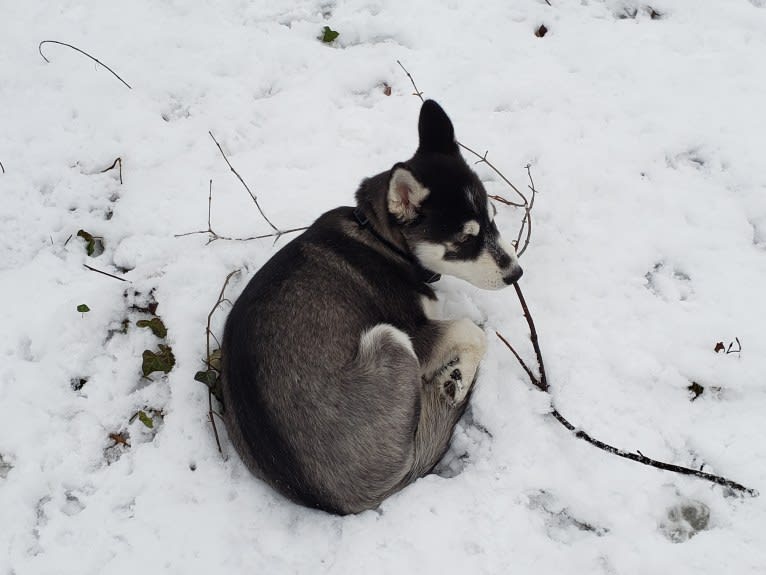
point(424, 275)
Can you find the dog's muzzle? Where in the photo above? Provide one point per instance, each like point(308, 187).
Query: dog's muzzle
point(514, 276)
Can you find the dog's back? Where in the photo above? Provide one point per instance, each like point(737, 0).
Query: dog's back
point(307, 412)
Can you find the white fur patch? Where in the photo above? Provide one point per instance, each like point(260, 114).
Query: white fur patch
point(430, 308)
point(491, 210)
point(482, 272)
point(370, 340)
point(471, 228)
point(468, 342)
point(470, 196)
point(405, 194)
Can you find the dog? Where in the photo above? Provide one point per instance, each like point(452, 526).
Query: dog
point(339, 384)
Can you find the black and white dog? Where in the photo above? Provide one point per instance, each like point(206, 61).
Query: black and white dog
point(340, 387)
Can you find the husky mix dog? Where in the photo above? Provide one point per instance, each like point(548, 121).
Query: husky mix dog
point(339, 384)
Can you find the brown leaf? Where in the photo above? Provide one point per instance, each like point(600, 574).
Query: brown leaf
point(119, 438)
point(719, 347)
point(386, 89)
point(541, 31)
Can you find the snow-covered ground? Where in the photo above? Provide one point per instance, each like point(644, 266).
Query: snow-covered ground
point(645, 138)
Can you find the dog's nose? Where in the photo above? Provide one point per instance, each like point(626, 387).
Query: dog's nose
point(514, 276)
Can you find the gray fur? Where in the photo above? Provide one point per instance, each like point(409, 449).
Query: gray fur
point(339, 390)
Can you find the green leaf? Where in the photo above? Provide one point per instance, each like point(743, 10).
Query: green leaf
point(94, 246)
point(145, 419)
point(82, 308)
point(209, 377)
point(155, 324)
point(162, 360)
point(215, 360)
point(328, 35)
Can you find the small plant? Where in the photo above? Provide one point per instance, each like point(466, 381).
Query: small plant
point(82, 308)
point(94, 245)
point(328, 35)
point(162, 360)
point(155, 324)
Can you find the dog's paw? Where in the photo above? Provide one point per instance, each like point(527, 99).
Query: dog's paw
point(455, 380)
point(465, 346)
point(452, 387)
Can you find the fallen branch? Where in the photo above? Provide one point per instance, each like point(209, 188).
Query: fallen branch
point(213, 235)
point(117, 162)
point(252, 195)
point(96, 60)
point(541, 383)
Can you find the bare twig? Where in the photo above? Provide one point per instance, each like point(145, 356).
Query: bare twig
point(417, 92)
point(105, 273)
point(641, 458)
point(252, 195)
point(117, 162)
point(96, 60)
point(208, 332)
point(731, 345)
point(548, 3)
point(526, 222)
point(2, 167)
point(213, 235)
point(531, 375)
point(483, 160)
point(542, 384)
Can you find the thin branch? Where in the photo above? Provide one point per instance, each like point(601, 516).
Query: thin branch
point(527, 220)
point(518, 358)
point(105, 273)
point(548, 3)
point(417, 93)
point(218, 303)
point(542, 384)
point(208, 333)
point(117, 162)
point(252, 195)
point(641, 458)
point(483, 160)
point(731, 345)
point(2, 167)
point(96, 60)
point(213, 235)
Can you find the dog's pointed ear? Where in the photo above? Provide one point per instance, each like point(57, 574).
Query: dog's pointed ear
point(405, 194)
point(435, 130)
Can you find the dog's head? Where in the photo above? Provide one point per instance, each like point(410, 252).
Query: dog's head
point(443, 211)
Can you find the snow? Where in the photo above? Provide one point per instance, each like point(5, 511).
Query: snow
point(645, 139)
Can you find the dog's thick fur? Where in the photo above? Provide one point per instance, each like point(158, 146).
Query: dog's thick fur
point(339, 387)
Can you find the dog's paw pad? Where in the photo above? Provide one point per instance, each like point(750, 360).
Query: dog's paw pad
point(453, 388)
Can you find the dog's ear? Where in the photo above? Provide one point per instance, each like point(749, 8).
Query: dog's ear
point(435, 130)
point(405, 194)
